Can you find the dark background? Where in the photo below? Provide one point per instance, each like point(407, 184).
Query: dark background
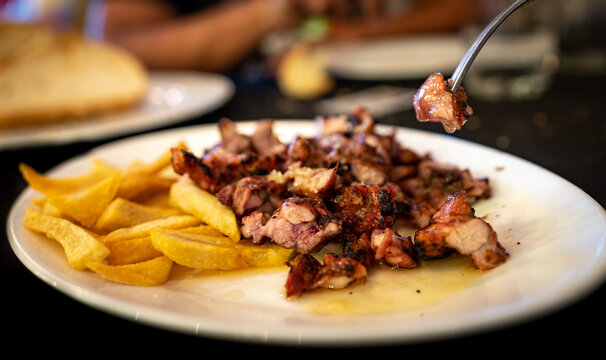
point(563, 131)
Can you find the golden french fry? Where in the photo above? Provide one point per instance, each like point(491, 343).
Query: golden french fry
point(48, 208)
point(198, 251)
point(168, 173)
point(123, 213)
point(131, 251)
point(203, 229)
point(146, 273)
point(144, 229)
point(85, 206)
point(157, 165)
point(53, 186)
point(158, 200)
point(205, 206)
point(142, 180)
point(265, 255)
point(139, 186)
point(79, 245)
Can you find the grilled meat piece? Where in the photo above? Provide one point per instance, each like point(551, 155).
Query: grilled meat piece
point(252, 193)
point(263, 139)
point(435, 102)
point(331, 125)
point(218, 168)
point(394, 249)
point(301, 223)
point(339, 272)
point(231, 140)
point(307, 273)
point(302, 274)
point(455, 228)
point(364, 208)
point(304, 152)
point(359, 248)
point(435, 181)
point(311, 182)
point(420, 213)
point(359, 121)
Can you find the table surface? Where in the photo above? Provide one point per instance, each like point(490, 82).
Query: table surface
point(564, 131)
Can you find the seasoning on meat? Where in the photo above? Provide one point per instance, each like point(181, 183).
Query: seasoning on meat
point(348, 185)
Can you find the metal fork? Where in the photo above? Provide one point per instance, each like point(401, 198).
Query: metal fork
point(465, 64)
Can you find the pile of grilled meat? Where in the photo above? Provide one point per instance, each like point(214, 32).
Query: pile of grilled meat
point(349, 185)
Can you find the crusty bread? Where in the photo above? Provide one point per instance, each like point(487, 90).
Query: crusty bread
point(48, 77)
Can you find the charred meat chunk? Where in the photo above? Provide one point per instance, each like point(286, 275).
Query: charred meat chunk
point(302, 274)
point(307, 273)
point(301, 223)
point(252, 193)
point(263, 139)
point(435, 102)
point(219, 168)
point(339, 272)
point(393, 249)
point(454, 228)
point(359, 248)
point(311, 182)
point(434, 182)
point(364, 208)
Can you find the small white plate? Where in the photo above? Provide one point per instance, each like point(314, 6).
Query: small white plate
point(173, 96)
point(408, 57)
point(554, 232)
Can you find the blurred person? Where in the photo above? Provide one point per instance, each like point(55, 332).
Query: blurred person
point(217, 35)
point(201, 35)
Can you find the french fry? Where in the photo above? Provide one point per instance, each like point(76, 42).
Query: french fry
point(137, 187)
point(86, 205)
point(146, 273)
point(54, 186)
point(205, 206)
point(123, 213)
point(265, 255)
point(202, 229)
point(144, 229)
point(49, 209)
point(198, 251)
point(157, 165)
point(131, 251)
point(79, 245)
point(142, 180)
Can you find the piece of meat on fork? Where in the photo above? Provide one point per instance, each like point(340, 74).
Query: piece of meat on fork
point(435, 102)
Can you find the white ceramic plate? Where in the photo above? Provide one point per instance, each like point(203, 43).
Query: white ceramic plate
point(395, 58)
point(173, 96)
point(554, 232)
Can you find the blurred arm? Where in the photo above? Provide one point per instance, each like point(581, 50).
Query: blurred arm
point(212, 40)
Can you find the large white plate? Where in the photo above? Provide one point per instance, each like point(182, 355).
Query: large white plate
point(554, 232)
point(173, 96)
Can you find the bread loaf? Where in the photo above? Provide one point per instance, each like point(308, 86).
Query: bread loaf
point(48, 77)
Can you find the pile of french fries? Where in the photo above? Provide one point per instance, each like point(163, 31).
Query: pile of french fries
point(131, 225)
